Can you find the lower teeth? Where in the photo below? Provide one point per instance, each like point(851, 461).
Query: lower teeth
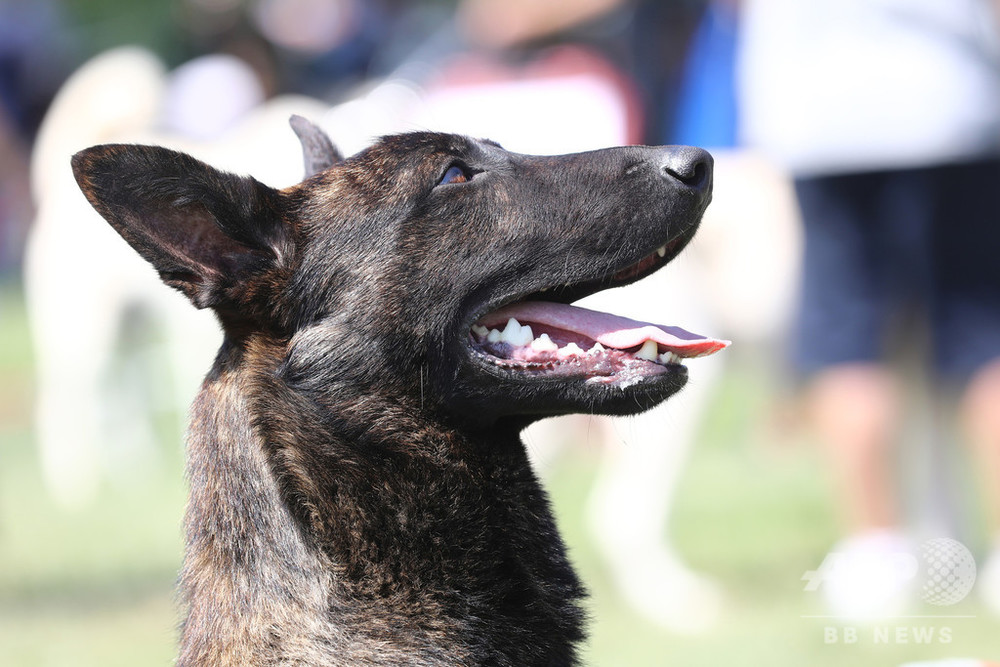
point(519, 336)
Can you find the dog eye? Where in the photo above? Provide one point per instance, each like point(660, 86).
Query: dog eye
point(456, 173)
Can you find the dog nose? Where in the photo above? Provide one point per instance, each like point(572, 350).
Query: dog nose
point(689, 165)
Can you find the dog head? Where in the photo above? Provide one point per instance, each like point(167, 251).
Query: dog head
point(415, 268)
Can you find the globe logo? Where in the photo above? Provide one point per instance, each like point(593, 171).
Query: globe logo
point(949, 571)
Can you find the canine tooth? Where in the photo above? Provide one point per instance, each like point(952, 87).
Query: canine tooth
point(494, 336)
point(670, 358)
point(662, 250)
point(543, 344)
point(571, 348)
point(596, 349)
point(480, 331)
point(648, 351)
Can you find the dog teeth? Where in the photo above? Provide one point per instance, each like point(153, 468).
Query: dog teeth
point(648, 351)
point(520, 335)
point(511, 332)
point(669, 358)
point(527, 337)
point(662, 251)
point(543, 344)
point(515, 334)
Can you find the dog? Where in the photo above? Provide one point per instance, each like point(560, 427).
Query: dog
point(359, 491)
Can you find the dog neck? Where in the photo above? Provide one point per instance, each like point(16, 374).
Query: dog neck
point(362, 532)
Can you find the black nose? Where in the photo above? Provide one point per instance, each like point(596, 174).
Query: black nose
point(689, 165)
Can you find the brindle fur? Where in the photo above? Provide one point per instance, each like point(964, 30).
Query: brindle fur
point(359, 491)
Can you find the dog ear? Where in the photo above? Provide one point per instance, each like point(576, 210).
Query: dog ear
point(208, 233)
point(317, 149)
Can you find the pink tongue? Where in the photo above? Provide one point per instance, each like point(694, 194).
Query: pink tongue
point(608, 330)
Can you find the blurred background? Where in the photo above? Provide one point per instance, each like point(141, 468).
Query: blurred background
point(849, 255)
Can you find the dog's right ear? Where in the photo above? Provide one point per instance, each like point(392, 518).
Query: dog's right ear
point(210, 234)
point(318, 151)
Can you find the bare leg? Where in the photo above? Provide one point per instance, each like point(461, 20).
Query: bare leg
point(855, 410)
point(980, 412)
point(981, 417)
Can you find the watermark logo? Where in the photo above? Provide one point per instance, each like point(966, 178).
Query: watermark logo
point(949, 571)
point(874, 581)
point(944, 572)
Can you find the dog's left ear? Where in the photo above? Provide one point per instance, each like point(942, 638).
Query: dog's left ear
point(210, 234)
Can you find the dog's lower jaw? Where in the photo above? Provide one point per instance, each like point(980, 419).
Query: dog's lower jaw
point(303, 547)
point(480, 395)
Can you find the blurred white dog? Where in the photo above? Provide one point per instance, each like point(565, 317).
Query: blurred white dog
point(84, 289)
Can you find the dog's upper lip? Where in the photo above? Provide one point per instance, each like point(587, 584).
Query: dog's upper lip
point(541, 331)
point(647, 264)
point(595, 328)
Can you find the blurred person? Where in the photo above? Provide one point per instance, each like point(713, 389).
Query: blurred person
point(15, 197)
point(887, 113)
point(508, 24)
point(325, 48)
point(33, 61)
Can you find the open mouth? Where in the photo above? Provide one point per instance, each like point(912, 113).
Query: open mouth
point(539, 337)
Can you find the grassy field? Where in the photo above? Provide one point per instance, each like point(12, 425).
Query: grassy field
point(95, 587)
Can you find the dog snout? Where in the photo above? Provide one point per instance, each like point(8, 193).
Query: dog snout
point(691, 166)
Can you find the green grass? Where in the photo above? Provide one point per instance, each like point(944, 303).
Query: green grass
point(94, 587)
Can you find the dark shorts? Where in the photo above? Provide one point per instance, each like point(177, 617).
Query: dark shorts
point(879, 245)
